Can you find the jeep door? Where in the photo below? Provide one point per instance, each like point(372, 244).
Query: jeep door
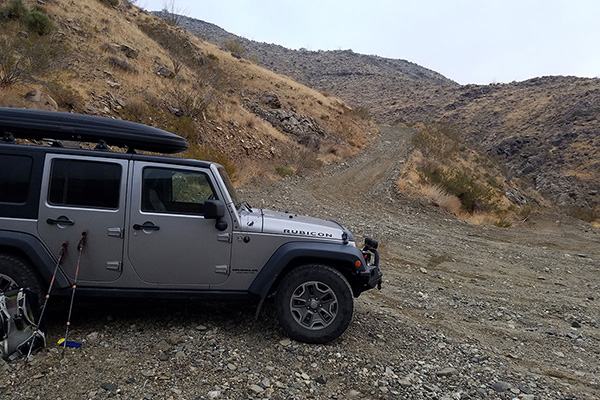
point(85, 194)
point(170, 242)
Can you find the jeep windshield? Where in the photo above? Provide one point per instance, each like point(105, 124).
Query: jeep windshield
point(232, 192)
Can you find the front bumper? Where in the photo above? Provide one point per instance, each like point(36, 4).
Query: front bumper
point(372, 275)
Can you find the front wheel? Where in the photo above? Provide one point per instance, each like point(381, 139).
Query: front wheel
point(314, 304)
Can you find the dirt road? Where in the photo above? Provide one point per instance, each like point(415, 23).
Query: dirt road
point(466, 312)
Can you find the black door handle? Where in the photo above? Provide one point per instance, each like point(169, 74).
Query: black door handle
point(65, 221)
point(145, 227)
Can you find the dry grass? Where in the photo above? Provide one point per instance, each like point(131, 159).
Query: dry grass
point(439, 197)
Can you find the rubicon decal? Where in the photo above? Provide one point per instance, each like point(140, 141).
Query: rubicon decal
point(307, 233)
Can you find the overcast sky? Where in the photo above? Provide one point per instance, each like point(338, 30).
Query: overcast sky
point(469, 41)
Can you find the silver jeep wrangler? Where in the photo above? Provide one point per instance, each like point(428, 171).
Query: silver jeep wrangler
point(163, 226)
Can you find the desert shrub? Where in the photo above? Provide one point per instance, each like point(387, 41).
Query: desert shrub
point(123, 65)
point(65, 96)
point(192, 100)
point(38, 22)
point(108, 48)
point(14, 10)
point(586, 214)
point(112, 3)
point(136, 111)
point(234, 47)
point(284, 171)
point(326, 93)
point(362, 112)
point(472, 195)
point(209, 154)
point(22, 58)
point(438, 141)
point(253, 58)
point(440, 197)
point(503, 223)
point(183, 126)
point(324, 117)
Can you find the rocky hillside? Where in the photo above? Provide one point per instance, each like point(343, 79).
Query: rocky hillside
point(543, 133)
point(110, 58)
point(373, 82)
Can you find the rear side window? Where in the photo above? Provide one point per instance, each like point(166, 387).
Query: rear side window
point(78, 183)
point(15, 176)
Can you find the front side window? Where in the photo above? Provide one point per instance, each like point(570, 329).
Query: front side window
point(77, 183)
point(175, 191)
point(14, 178)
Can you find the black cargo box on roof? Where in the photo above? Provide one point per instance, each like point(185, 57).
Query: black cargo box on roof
point(38, 125)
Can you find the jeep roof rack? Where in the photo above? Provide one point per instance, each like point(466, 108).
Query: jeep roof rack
point(44, 125)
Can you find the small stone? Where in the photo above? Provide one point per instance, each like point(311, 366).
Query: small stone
point(515, 390)
point(163, 345)
point(404, 383)
point(148, 373)
point(175, 339)
point(256, 389)
point(92, 394)
point(130, 380)
point(201, 327)
point(575, 324)
point(582, 255)
point(285, 342)
point(177, 391)
point(231, 367)
point(213, 394)
point(163, 356)
point(573, 335)
point(352, 394)
point(527, 397)
point(111, 387)
point(423, 270)
point(431, 388)
point(320, 379)
point(447, 372)
point(113, 84)
point(501, 386)
point(92, 336)
point(525, 390)
point(304, 376)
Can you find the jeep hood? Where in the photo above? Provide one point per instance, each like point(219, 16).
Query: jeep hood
point(279, 223)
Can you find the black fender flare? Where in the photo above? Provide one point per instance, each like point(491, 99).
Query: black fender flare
point(287, 253)
point(43, 261)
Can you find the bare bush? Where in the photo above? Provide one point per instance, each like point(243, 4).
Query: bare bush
point(234, 47)
point(123, 65)
point(22, 58)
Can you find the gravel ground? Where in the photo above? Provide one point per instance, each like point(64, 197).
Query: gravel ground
point(466, 312)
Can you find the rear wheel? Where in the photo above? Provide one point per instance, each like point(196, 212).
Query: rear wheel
point(17, 273)
point(314, 304)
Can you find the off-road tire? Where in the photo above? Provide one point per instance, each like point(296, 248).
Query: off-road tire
point(295, 318)
point(20, 272)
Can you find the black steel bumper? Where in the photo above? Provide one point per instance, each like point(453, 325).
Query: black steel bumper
point(372, 275)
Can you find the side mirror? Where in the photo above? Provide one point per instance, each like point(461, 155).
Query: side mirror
point(215, 209)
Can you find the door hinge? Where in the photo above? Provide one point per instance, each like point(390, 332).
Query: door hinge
point(113, 265)
point(224, 237)
point(222, 269)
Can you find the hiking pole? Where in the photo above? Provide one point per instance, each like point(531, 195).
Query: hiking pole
point(61, 254)
point(80, 246)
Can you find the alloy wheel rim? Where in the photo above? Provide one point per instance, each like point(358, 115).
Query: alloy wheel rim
point(314, 305)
